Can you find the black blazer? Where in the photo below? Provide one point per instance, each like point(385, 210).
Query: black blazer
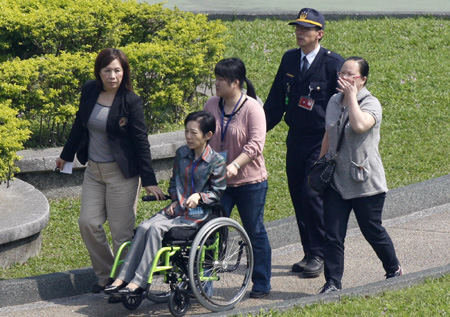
point(126, 129)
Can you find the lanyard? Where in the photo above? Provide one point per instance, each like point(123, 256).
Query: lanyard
point(224, 131)
point(194, 166)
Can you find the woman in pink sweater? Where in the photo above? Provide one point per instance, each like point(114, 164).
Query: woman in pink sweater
point(240, 136)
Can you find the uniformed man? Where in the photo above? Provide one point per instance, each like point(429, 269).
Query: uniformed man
point(306, 79)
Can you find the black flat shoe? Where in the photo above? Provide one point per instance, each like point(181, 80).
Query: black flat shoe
point(111, 289)
point(129, 291)
point(258, 294)
point(97, 288)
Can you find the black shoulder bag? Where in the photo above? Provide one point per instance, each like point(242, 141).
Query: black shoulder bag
point(321, 174)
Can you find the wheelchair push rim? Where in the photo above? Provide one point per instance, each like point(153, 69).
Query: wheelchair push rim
point(220, 264)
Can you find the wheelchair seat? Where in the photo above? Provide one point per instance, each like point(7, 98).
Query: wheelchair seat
point(185, 235)
point(180, 235)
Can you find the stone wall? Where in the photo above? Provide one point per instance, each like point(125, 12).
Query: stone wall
point(37, 166)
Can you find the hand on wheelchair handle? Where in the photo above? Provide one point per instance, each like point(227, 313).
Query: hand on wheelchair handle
point(156, 191)
point(153, 198)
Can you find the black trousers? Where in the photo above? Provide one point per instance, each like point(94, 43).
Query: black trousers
point(368, 215)
point(302, 152)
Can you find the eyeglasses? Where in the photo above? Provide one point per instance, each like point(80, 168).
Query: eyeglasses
point(342, 75)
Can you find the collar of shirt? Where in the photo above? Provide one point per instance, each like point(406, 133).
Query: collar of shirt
point(206, 155)
point(310, 57)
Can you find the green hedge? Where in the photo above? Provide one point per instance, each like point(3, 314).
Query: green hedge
point(45, 90)
point(13, 132)
point(48, 49)
point(37, 27)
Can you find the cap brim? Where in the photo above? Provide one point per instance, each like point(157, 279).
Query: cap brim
point(305, 24)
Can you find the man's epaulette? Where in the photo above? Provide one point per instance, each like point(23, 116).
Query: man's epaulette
point(333, 55)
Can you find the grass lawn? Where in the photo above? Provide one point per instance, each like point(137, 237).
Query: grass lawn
point(409, 74)
point(432, 298)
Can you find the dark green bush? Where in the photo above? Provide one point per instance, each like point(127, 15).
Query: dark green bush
point(48, 49)
point(13, 132)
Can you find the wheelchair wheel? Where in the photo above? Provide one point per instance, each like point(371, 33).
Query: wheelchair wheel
point(179, 302)
point(131, 302)
point(159, 290)
point(220, 264)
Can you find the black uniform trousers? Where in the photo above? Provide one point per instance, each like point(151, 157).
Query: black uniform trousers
point(302, 152)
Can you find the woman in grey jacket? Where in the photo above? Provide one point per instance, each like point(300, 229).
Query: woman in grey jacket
point(359, 182)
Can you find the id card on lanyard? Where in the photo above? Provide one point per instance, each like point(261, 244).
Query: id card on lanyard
point(223, 130)
point(306, 102)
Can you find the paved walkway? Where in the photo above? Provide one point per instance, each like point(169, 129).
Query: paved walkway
point(421, 240)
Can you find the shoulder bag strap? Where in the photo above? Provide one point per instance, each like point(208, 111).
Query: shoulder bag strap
point(341, 136)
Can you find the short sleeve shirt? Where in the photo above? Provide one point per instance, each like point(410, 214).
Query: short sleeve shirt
point(359, 169)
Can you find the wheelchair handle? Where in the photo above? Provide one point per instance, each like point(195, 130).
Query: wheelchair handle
point(153, 198)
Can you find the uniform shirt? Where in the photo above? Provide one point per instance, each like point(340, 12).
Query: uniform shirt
point(209, 180)
point(309, 57)
point(246, 133)
point(288, 87)
point(359, 170)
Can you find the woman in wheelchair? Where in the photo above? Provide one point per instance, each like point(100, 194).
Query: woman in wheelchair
point(199, 175)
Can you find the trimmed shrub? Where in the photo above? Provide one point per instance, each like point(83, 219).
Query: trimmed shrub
point(167, 71)
point(46, 90)
point(38, 27)
point(13, 133)
point(54, 44)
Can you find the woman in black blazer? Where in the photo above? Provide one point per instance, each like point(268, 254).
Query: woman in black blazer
point(109, 133)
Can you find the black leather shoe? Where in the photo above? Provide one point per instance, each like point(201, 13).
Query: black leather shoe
point(111, 289)
point(129, 291)
point(98, 288)
point(300, 266)
point(313, 268)
point(258, 294)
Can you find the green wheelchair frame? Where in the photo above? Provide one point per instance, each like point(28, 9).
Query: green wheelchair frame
point(214, 267)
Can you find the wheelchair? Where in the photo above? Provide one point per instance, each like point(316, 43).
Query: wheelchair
point(212, 263)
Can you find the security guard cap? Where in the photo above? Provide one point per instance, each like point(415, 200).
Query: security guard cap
point(309, 18)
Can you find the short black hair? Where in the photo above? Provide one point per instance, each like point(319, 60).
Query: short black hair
point(204, 118)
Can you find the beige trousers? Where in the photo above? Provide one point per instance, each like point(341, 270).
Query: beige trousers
point(106, 195)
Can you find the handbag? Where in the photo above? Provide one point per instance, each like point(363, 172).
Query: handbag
point(321, 174)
